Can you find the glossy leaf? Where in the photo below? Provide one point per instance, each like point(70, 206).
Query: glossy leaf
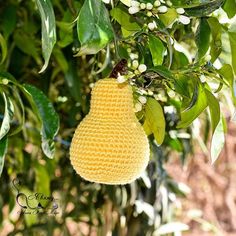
point(202, 37)
point(218, 141)
point(157, 50)
point(169, 17)
point(47, 115)
point(3, 150)
point(94, 27)
point(230, 8)
point(155, 120)
point(189, 115)
point(216, 43)
point(163, 71)
point(48, 29)
point(8, 115)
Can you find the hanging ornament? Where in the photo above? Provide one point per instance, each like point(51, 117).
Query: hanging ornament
point(109, 146)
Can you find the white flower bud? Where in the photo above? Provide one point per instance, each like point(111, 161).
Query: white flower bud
point(121, 79)
point(149, 13)
point(169, 3)
point(162, 9)
point(138, 107)
point(203, 78)
point(142, 68)
point(184, 19)
point(133, 56)
point(151, 26)
point(180, 11)
point(142, 99)
point(135, 64)
point(106, 1)
point(157, 3)
point(208, 58)
point(142, 6)
point(134, 4)
point(149, 6)
point(133, 10)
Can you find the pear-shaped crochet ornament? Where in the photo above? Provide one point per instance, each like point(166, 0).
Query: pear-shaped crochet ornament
point(109, 146)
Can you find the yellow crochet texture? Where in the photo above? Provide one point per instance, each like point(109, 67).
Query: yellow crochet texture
point(109, 146)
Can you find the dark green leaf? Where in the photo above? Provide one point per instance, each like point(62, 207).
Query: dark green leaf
point(230, 8)
point(8, 115)
point(27, 45)
point(8, 20)
point(94, 27)
point(126, 20)
point(202, 38)
point(48, 29)
point(154, 120)
point(216, 44)
point(3, 151)
point(189, 115)
point(157, 50)
point(48, 117)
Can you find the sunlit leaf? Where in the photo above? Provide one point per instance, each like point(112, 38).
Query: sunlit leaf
point(218, 141)
point(216, 43)
point(48, 29)
point(3, 150)
point(47, 115)
point(230, 8)
point(126, 20)
point(155, 120)
point(232, 39)
point(169, 17)
point(94, 27)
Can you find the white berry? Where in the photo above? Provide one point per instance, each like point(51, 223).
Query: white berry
point(142, 6)
point(180, 11)
point(149, 6)
point(157, 3)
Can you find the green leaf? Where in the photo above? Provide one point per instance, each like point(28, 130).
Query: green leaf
point(169, 17)
point(48, 29)
point(47, 115)
point(218, 141)
point(25, 43)
point(157, 50)
point(232, 39)
point(3, 46)
point(227, 72)
point(214, 108)
point(3, 151)
point(8, 20)
point(94, 27)
point(216, 43)
point(163, 71)
point(8, 115)
point(230, 8)
point(42, 180)
point(155, 120)
point(126, 20)
point(202, 38)
point(189, 115)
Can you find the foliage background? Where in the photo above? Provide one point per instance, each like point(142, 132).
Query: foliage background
point(54, 38)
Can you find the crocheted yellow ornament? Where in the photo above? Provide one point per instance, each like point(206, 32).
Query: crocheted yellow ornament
point(109, 146)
